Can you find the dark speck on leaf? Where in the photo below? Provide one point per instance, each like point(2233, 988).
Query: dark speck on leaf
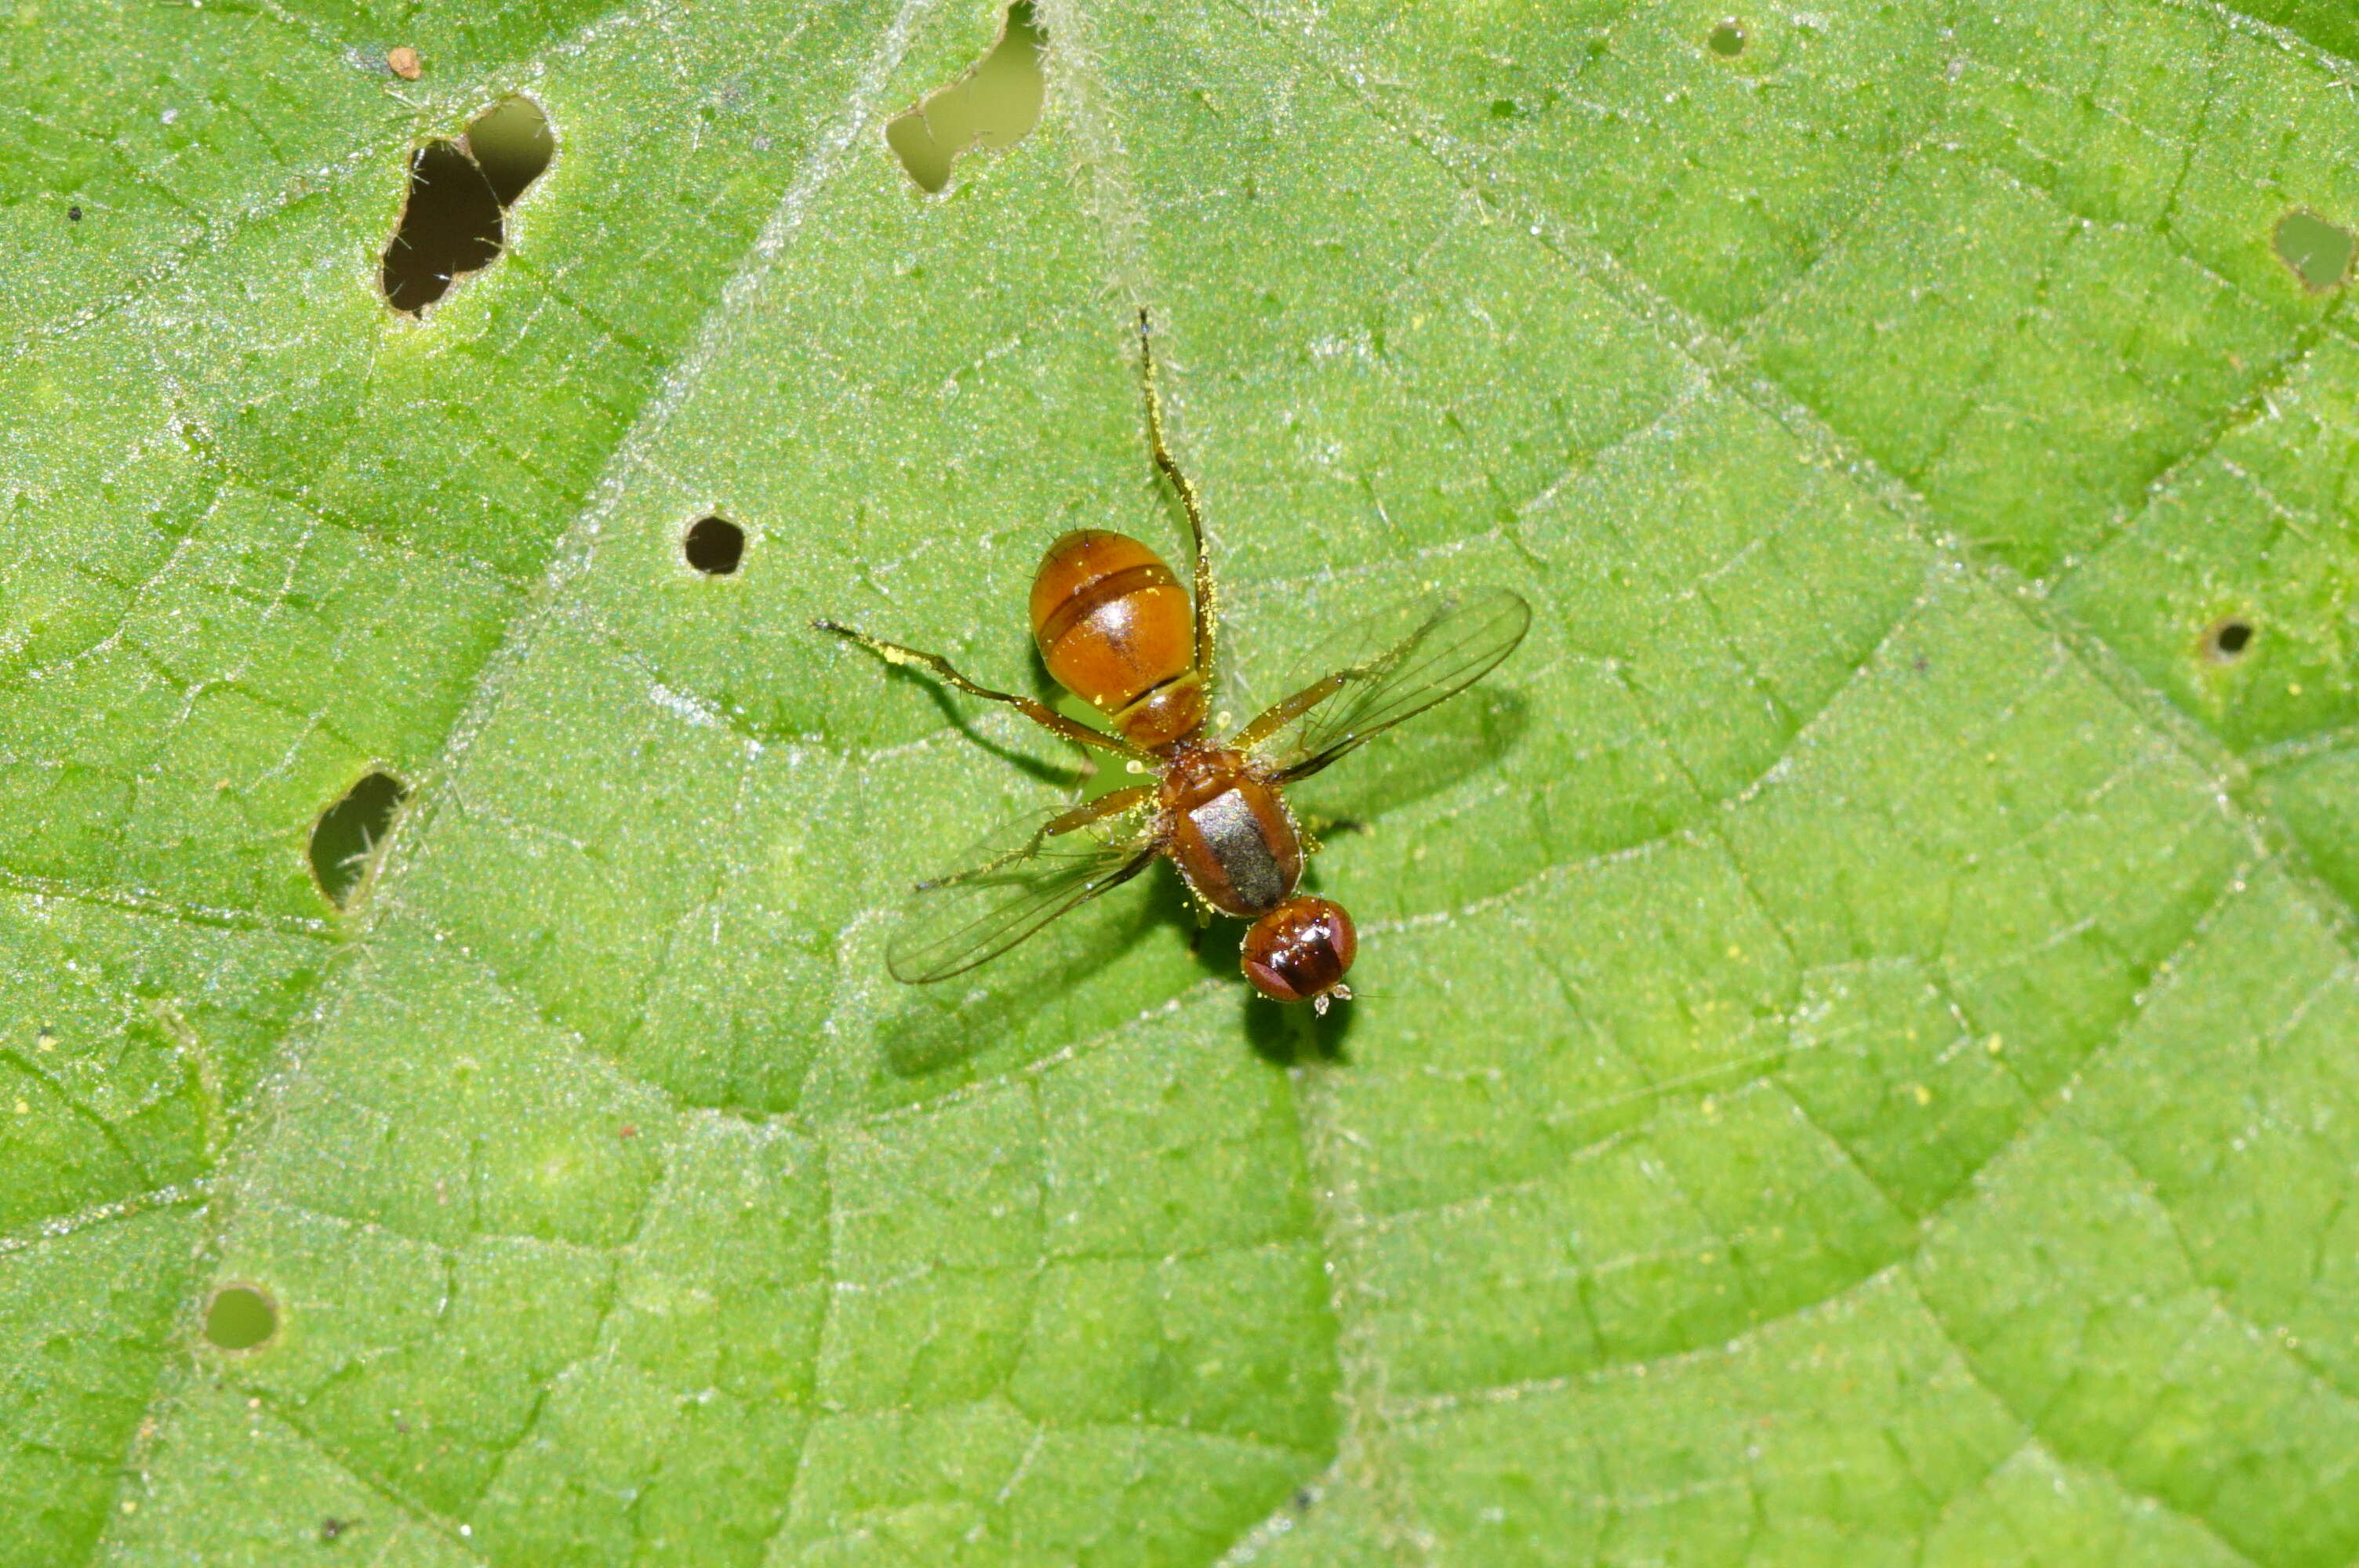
point(73, 214)
point(1920, 664)
point(331, 1528)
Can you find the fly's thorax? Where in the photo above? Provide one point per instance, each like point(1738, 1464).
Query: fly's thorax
point(1230, 832)
point(1118, 630)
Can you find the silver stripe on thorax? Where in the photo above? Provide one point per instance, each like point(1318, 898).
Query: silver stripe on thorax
point(1234, 835)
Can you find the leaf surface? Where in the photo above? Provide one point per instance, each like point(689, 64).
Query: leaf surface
point(1853, 1058)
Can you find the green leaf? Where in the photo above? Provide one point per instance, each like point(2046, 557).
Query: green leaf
point(1853, 1060)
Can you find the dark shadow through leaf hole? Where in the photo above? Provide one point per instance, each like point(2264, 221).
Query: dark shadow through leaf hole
point(2225, 640)
point(345, 838)
point(992, 105)
point(459, 192)
point(240, 1317)
point(713, 546)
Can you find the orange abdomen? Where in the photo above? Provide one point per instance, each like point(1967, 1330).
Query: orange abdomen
point(1116, 629)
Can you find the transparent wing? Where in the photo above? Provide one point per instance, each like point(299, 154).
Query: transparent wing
point(1383, 669)
point(1016, 879)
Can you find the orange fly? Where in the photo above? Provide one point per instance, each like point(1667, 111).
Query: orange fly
point(1117, 628)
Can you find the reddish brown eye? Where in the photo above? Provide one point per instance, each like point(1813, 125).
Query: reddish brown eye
point(1299, 951)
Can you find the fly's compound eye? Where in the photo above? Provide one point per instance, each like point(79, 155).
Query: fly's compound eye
point(1299, 951)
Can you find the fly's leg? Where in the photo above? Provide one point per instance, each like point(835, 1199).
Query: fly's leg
point(1114, 802)
point(1205, 619)
point(1315, 830)
point(1280, 714)
point(1031, 708)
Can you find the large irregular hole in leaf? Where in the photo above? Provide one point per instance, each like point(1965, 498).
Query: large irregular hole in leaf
point(512, 144)
point(459, 192)
point(240, 1317)
point(714, 545)
point(344, 841)
point(2318, 252)
point(450, 226)
point(991, 107)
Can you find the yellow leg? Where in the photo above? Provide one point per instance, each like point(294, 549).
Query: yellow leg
point(1206, 620)
point(1031, 708)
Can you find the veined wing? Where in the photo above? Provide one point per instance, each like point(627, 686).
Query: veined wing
point(1386, 668)
point(1016, 879)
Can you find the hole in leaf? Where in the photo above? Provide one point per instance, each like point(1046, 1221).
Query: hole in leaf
point(344, 841)
point(2225, 640)
point(1727, 40)
point(512, 144)
point(991, 107)
point(453, 224)
point(450, 226)
point(714, 545)
point(240, 1317)
point(2319, 253)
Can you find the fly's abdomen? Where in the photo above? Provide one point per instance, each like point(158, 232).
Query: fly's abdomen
point(1115, 628)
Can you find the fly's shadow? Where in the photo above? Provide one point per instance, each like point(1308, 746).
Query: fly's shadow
point(1065, 776)
point(1472, 733)
point(1076, 977)
point(1293, 1035)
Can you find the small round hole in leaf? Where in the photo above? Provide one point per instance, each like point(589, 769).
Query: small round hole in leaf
point(714, 545)
point(1727, 40)
point(2226, 639)
point(240, 1317)
point(344, 841)
point(2318, 251)
point(512, 144)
